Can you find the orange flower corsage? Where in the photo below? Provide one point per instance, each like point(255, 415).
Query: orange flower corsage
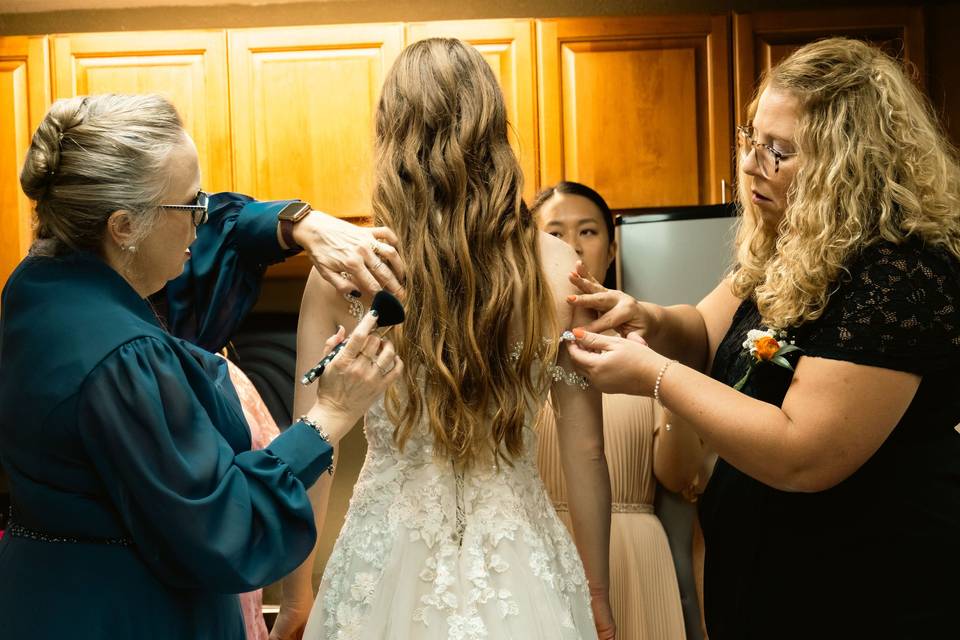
point(765, 346)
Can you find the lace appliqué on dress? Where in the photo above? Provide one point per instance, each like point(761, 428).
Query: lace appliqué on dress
point(458, 545)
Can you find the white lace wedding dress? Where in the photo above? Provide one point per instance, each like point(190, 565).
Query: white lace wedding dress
point(429, 551)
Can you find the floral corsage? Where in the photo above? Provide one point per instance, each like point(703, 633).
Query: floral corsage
point(766, 346)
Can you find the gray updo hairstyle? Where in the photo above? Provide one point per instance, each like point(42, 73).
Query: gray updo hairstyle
point(95, 155)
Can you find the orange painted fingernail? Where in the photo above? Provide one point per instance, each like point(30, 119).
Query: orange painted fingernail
point(579, 333)
point(571, 298)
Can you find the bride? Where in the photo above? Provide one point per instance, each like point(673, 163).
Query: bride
point(450, 533)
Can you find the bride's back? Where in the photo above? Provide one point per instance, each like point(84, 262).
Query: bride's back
point(440, 541)
point(481, 313)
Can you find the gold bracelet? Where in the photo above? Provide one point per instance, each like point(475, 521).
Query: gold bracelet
point(656, 387)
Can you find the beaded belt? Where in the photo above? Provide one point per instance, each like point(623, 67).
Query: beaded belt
point(19, 531)
point(616, 507)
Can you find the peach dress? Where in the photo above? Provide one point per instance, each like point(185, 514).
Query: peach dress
point(263, 429)
point(643, 583)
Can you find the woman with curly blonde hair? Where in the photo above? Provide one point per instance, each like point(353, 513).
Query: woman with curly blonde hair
point(834, 508)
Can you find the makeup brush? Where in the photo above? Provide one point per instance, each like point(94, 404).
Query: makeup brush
point(389, 312)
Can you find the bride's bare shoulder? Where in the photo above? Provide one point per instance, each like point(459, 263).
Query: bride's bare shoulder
point(558, 259)
point(322, 304)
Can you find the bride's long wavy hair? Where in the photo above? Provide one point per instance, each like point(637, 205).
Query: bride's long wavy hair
point(448, 183)
point(874, 164)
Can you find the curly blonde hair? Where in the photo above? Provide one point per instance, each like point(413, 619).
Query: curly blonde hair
point(447, 182)
point(873, 165)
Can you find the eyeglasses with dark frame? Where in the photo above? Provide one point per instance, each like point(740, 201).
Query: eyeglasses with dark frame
point(198, 210)
point(766, 154)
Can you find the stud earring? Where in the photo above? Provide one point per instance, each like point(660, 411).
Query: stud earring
point(132, 248)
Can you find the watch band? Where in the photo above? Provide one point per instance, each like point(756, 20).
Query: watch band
point(286, 232)
point(290, 215)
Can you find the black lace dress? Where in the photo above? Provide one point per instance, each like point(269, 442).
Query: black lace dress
point(878, 555)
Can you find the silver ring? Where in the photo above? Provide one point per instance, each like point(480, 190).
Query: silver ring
point(344, 275)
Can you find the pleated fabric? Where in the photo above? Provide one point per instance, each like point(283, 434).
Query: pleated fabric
point(643, 583)
point(263, 429)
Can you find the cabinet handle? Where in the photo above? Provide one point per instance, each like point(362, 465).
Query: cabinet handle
point(723, 191)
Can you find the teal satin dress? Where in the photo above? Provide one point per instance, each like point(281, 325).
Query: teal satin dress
point(139, 510)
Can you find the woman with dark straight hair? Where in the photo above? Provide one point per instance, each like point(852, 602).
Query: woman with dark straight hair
point(642, 450)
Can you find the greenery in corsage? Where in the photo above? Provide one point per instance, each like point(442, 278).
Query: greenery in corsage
point(765, 346)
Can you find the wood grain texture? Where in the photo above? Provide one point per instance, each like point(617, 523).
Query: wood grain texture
point(763, 38)
point(304, 101)
point(24, 99)
point(637, 108)
point(189, 68)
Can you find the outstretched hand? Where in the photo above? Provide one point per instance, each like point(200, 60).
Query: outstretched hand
point(616, 365)
point(603, 617)
point(352, 258)
point(290, 622)
point(616, 310)
point(359, 373)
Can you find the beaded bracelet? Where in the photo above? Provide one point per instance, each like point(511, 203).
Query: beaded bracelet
point(656, 386)
point(313, 424)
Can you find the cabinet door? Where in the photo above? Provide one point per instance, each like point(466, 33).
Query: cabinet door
point(188, 67)
point(764, 38)
point(507, 45)
point(637, 108)
point(304, 101)
point(24, 98)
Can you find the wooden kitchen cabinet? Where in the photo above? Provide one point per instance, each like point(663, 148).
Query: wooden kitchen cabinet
point(642, 108)
point(187, 67)
point(507, 45)
point(24, 99)
point(304, 101)
point(637, 107)
point(763, 38)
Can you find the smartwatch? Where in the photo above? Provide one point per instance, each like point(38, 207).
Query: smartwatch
point(289, 216)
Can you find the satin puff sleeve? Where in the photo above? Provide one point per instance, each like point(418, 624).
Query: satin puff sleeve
point(221, 281)
point(163, 435)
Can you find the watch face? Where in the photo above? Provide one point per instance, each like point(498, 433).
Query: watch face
point(294, 211)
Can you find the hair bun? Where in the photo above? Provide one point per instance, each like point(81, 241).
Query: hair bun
point(42, 163)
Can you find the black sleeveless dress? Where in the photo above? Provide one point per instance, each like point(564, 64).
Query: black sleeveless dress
point(878, 555)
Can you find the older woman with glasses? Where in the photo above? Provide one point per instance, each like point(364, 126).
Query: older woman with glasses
point(138, 508)
point(832, 351)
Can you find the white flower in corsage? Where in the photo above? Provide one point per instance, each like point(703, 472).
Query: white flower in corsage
point(766, 346)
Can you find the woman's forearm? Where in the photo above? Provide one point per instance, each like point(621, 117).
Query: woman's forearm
point(677, 453)
point(580, 438)
point(756, 437)
point(679, 333)
point(589, 497)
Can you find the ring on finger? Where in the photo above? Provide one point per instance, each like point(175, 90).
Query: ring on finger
point(387, 369)
point(344, 275)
